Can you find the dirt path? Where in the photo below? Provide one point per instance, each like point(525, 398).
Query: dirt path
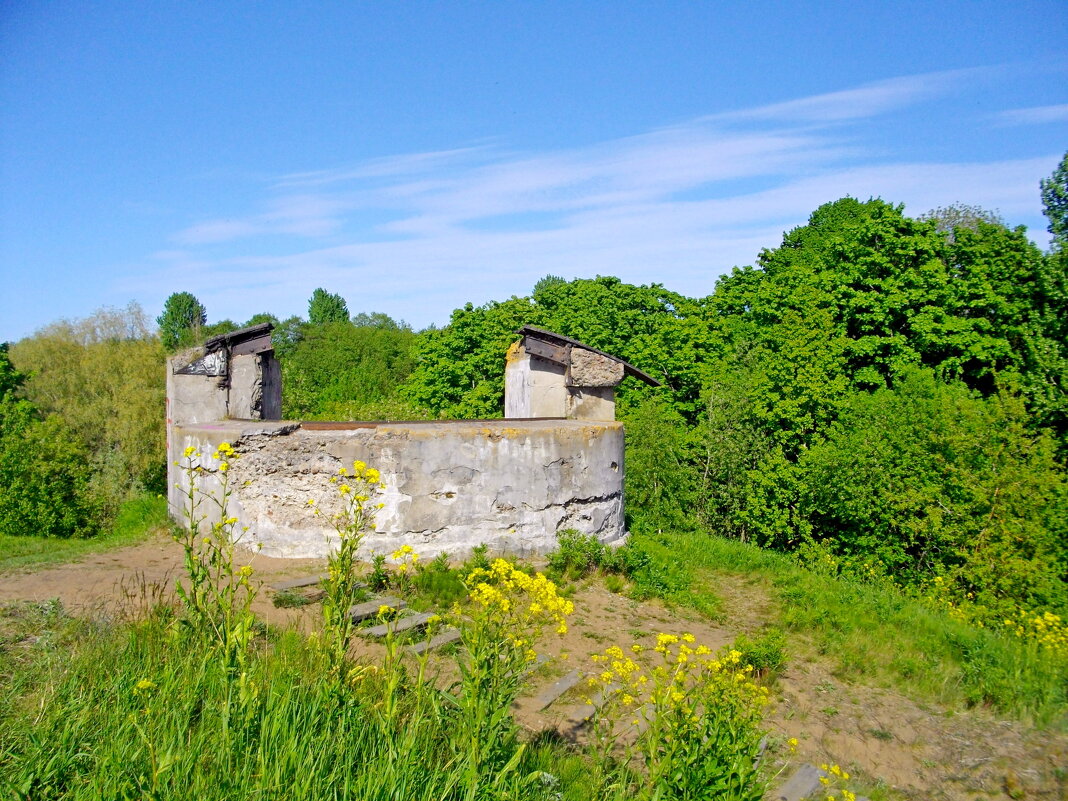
point(137, 575)
point(910, 750)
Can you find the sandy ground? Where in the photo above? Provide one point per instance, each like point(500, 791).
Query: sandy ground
point(909, 749)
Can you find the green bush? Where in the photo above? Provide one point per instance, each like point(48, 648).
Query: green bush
point(576, 555)
point(342, 371)
point(45, 475)
point(928, 479)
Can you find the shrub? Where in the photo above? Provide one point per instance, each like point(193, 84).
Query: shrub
point(928, 480)
point(45, 475)
point(577, 554)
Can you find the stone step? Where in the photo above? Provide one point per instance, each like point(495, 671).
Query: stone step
point(549, 694)
point(444, 638)
point(369, 609)
point(398, 626)
point(539, 660)
point(582, 714)
point(297, 583)
point(804, 782)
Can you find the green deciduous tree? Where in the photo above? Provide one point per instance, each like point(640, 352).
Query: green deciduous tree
point(1055, 203)
point(659, 481)
point(44, 471)
point(460, 370)
point(960, 215)
point(10, 378)
point(103, 377)
point(344, 371)
point(325, 307)
point(181, 321)
point(930, 479)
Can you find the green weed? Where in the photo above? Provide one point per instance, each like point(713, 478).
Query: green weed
point(290, 599)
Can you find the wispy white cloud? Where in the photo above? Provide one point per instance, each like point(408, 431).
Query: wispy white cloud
point(421, 233)
point(379, 168)
point(864, 101)
point(1035, 115)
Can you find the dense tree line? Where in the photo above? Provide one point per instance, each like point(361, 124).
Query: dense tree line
point(889, 389)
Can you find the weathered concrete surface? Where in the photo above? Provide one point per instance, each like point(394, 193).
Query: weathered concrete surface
point(589, 369)
point(245, 397)
point(536, 387)
point(194, 398)
point(450, 486)
point(533, 387)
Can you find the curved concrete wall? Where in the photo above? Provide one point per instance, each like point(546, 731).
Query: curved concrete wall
point(511, 484)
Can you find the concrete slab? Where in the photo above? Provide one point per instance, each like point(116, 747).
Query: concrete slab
point(369, 609)
point(804, 782)
point(397, 627)
point(297, 583)
point(444, 638)
point(556, 689)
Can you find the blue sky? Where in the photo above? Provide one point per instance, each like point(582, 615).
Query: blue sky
point(416, 156)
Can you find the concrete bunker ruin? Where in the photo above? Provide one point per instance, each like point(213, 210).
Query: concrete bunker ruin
point(554, 462)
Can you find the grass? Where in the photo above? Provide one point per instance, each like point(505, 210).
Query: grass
point(91, 709)
point(98, 709)
point(873, 631)
point(133, 713)
point(290, 599)
point(137, 518)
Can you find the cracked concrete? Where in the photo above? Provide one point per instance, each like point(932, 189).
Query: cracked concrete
point(450, 486)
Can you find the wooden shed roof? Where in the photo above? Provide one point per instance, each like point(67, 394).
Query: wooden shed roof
point(559, 340)
point(254, 339)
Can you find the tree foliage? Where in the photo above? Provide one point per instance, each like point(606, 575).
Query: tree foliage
point(460, 369)
point(43, 468)
point(930, 479)
point(960, 215)
point(345, 371)
point(325, 308)
point(887, 386)
point(104, 377)
point(180, 323)
point(891, 388)
point(1055, 203)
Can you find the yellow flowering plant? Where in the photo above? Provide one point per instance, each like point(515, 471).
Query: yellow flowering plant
point(1045, 630)
point(217, 601)
point(1041, 630)
point(407, 562)
point(508, 612)
point(695, 717)
point(341, 587)
point(834, 784)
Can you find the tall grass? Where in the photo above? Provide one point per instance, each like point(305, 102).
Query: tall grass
point(137, 714)
point(145, 710)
